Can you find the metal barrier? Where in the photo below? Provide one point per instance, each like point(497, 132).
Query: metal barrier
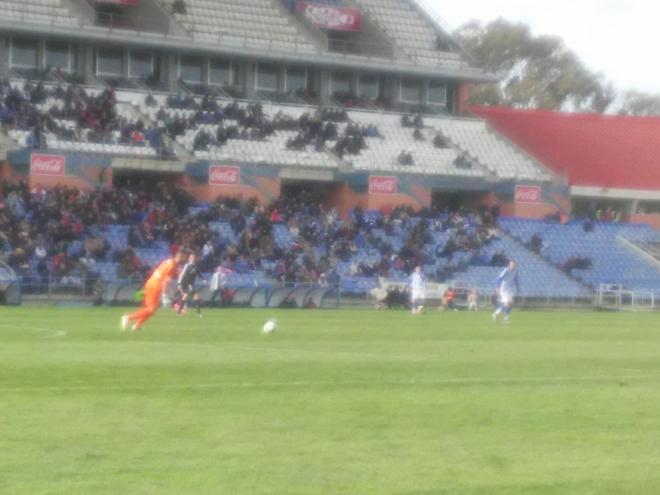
point(252, 296)
point(292, 295)
point(73, 285)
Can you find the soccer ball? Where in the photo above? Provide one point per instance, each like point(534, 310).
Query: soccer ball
point(270, 326)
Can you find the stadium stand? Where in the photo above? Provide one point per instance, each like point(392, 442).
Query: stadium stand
point(484, 147)
point(537, 278)
point(70, 118)
point(604, 258)
point(385, 138)
point(38, 12)
point(328, 125)
point(254, 23)
point(382, 152)
point(293, 241)
point(411, 31)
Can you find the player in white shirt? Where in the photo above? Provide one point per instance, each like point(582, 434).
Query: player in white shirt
point(417, 287)
point(473, 300)
point(507, 288)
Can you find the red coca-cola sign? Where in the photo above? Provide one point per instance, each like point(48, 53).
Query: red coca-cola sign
point(329, 17)
point(528, 194)
point(221, 175)
point(383, 184)
point(41, 164)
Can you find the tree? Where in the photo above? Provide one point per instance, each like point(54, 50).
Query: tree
point(537, 71)
point(642, 104)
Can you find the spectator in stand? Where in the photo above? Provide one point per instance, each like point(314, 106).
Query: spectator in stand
point(418, 136)
point(536, 243)
point(463, 162)
point(576, 263)
point(150, 101)
point(499, 259)
point(179, 7)
point(406, 158)
point(440, 142)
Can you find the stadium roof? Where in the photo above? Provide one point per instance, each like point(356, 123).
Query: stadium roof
point(610, 152)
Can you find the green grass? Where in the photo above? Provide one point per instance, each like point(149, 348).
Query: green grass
point(335, 402)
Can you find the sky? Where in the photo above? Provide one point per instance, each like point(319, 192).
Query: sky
point(620, 38)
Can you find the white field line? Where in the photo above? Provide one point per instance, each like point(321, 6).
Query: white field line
point(342, 383)
point(51, 333)
point(277, 349)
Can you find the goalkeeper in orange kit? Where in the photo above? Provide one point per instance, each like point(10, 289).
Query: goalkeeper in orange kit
point(153, 290)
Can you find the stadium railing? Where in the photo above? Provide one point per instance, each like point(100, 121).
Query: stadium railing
point(77, 286)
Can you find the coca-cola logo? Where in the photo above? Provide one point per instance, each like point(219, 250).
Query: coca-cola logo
point(41, 164)
point(383, 185)
point(528, 194)
point(224, 176)
point(327, 17)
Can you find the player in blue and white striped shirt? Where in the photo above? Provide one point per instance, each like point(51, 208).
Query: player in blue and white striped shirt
point(507, 288)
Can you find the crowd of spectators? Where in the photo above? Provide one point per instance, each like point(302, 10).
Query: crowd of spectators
point(59, 233)
point(62, 234)
point(70, 113)
point(234, 121)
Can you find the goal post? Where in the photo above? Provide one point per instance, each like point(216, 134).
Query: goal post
point(615, 297)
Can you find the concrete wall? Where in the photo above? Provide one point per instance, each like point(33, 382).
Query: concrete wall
point(4, 56)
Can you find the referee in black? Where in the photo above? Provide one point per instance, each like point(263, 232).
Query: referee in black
point(187, 289)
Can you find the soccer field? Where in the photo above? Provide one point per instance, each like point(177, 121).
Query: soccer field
point(334, 402)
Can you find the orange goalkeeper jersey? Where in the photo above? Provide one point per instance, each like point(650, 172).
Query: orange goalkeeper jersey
point(162, 275)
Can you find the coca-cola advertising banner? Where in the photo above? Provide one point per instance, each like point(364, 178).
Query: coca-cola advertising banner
point(329, 17)
point(221, 175)
point(528, 194)
point(42, 164)
point(383, 184)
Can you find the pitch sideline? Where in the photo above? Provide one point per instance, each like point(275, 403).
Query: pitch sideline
point(348, 383)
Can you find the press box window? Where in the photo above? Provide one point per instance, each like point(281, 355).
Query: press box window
point(190, 69)
point(267, 77)
point(411, 91)
point(296, 78)
point(58, 55)
point(23, 53)
point(108, 61)
point(141, 64)
point(341, 82)
point(369, 86)
point(437, 93)
point(220, 72)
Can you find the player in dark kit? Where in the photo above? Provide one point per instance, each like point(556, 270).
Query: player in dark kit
point(187, 290)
